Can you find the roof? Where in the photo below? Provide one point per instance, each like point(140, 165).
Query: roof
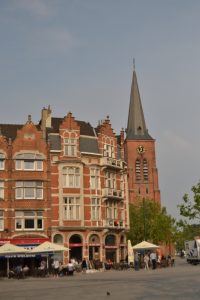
point(136, 127)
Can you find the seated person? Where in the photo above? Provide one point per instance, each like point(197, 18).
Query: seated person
point(18, 271)
point(11, 273)
point(25, 270)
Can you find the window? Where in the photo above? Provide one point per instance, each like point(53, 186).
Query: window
point(122, 212)
point(95, 209)
point(1, 190)
point(1, 220)
point(71, 209)
point(145, 170)
point(29, 162)
point(137, 170)
point(71, 177)
point(2, 161)
point(108, 150)
point(111, 210)
point(29, 190)
point(110, 180)
point(94, 178)
point(28, 220)
point(70, 147)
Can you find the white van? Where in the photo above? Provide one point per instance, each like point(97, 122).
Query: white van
point(192, 250)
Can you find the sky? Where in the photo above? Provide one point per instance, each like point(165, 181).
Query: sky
point(77, 55)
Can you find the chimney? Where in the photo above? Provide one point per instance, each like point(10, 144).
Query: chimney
point(45, 119)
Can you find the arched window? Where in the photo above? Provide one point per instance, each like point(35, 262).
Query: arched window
point(110, 240)
point(71, 177)
point(58, 239)
point(145, 170)
point(138, 170)
point(29, 162)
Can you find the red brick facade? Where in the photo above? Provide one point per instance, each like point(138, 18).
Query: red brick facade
point(65, 181)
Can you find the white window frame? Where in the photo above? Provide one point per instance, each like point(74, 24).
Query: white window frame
point(2, 161)
point(108, 150)
point(29, 162)
point(1, 190)
point(71, 208)
point(1, 220)
point(110, 180)
point(29, 190)
point(21, 217)
point(94, 178)
point(71, 177)
point(111, 210)
point(70, 147)
point(95, 209)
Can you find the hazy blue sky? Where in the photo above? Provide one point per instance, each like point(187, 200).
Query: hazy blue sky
point(76, 55)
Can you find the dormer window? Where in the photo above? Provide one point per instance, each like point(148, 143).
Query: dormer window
point(2, 161)
point(29, 162)
point(70, 147)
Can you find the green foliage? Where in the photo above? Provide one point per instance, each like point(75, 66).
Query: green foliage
point(149, 221)
point(190, 209)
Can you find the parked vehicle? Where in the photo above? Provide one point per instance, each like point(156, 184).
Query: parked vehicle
point(192, 250)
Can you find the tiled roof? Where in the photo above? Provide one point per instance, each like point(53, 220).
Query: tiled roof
point(85, 127)
point(10, 130)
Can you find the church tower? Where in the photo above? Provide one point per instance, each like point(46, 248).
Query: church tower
point(140, 152)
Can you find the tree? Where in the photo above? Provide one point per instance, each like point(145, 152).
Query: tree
point(190, 209)
point(150, 221)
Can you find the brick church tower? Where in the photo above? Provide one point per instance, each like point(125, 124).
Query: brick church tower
point(140, 152)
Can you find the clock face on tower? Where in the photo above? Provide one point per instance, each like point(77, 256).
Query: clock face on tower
point(140, 149)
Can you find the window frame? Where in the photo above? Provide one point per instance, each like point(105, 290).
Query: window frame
point(23, 190)
point(71, 208)
point(1, 220)
point(71, 177)
point(70, 146)
point(95, 209)
point(22, 217)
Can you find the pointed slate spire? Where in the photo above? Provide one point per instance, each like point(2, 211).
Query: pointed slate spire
point(136, 127)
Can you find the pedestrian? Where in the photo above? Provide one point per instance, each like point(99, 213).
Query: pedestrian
point(146, 261)
point(84, 265)
point(136, 261)
point(56, 267)
point(153, 260)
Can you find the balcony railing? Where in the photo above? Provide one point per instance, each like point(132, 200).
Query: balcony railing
point(111, 162)
point(112, 193)
point(113, 223)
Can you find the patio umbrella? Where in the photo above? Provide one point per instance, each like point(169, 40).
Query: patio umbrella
point(8, 250)
point(144, 245)
point(47, 247)
point(130, 253)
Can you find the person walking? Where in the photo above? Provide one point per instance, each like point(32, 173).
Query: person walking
point(84, 265)
point(153, 260)
point(136, 261)
point(146, 261)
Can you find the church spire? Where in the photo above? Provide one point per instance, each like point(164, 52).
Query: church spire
point(136, 127)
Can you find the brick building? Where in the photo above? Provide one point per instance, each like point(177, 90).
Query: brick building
point(140, 152)
point(65, 181)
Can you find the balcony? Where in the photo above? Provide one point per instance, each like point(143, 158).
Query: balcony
point(110, 162)
point(112, 194)
point(112, 223)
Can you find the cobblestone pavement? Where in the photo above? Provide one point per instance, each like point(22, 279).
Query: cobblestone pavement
point(179, 282)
